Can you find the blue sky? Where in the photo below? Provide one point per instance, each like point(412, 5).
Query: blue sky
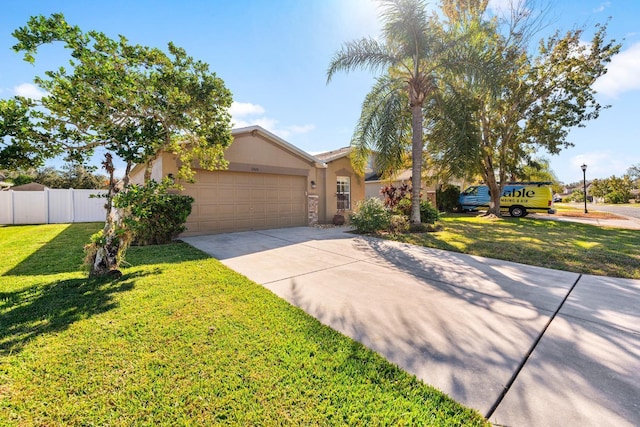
point(273, 56)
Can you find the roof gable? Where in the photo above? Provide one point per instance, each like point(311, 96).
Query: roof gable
point(330, 156)
point(258, 130)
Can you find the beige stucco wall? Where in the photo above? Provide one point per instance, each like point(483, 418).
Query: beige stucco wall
point(250, 152)
point(254, 152)
point(341, 167)
point(373, 190)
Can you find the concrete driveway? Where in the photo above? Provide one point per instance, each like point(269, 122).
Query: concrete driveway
point(526, 346)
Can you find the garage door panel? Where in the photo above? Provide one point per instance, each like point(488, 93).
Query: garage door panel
point(223, 210)
point(206, 178)
point(259, 194)
point(243, 194)
point(259, 210)
point(234, 201)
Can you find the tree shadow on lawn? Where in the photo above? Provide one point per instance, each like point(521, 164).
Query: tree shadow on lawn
point(48, 308)
point(64, 253)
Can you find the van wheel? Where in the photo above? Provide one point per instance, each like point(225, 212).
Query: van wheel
point(517, 211)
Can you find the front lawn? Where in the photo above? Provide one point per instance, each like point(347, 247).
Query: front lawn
point(180, 340)
point(568, 246)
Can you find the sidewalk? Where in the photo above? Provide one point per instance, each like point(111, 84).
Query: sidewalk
point(526, 346)
point(626, 222)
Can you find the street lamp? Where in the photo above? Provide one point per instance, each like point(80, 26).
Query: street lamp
point(584, 180)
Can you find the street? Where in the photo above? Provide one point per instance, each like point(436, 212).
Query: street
point(626, 210)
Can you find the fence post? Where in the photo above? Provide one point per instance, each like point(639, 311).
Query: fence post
point(72, 201)
point(13, 208)
point(46, 205)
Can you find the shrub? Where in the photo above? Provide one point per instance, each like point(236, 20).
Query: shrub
point(617, 197)
point(398, 224)
point(370, 216)
point(155, 216)
point(428, 214)
point(393, 195)
point(403, 207)
point(448, 197)
point(576, 196)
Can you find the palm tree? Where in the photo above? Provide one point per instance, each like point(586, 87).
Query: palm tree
point(408, 55)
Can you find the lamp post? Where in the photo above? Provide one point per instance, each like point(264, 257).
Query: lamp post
point(584, 180)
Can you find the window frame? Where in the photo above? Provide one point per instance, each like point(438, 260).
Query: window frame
point(343, 193)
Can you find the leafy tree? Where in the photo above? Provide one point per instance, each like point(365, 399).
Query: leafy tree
point(21, 178)
point(599, 188)
point(511, 102)
point(612, 190)
point(634, 174)
point(21, 145)
point(76, 175)
point(134, 101)
point(408, 55)
point(50, 177)
point(72, 175)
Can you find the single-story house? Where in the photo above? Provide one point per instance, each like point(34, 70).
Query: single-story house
point(269, 183)
point(374, 183)
point(32, 186)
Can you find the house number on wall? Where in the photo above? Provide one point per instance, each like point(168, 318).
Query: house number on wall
point(255, 169)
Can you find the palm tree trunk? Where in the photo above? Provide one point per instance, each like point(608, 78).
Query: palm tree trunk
point(416, 161)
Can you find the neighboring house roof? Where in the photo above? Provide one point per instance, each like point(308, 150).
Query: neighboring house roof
point(330, 156)
point(279, 141)
point(404, 175)
point(32, 186)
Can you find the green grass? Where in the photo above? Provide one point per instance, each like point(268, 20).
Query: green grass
point(568, 246)
point(180, 340)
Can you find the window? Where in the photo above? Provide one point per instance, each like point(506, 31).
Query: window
point(344, 193)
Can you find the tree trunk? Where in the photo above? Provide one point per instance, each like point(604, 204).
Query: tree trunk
point(108, 254)
point(494, 191)
point(104, 254)
point(416, 161)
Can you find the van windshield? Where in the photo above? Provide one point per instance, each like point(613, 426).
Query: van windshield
point(471, 191)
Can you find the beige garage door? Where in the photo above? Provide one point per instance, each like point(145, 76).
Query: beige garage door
point(237, 201)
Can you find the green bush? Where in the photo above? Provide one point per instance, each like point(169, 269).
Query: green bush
point(576, 196)
point(448, 197)
point(403, 207)
point(428, 214)
point(398, 224)
point(370, 216)
point(155, 216)
point(617, 197)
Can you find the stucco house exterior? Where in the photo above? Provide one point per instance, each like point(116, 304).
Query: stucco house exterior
point(374, 183)
point(269, 183)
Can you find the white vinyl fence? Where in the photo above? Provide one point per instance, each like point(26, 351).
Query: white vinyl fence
point(51, 206)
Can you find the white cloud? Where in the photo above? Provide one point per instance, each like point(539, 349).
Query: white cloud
point(245, 114)
point(240, 109)
point(601, 164)
point(602, 7)
point(501, 7)
point(29, 90)
point(623, 73)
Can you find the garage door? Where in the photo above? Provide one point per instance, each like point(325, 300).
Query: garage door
point(237, 201)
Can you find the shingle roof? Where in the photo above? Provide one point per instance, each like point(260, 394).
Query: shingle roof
point(404, 175)
point(330, 156)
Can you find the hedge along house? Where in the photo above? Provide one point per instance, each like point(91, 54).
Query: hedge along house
point(269, 183)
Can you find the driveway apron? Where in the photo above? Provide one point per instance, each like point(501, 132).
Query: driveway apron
point(523, 345)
